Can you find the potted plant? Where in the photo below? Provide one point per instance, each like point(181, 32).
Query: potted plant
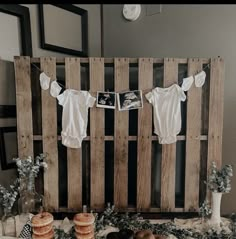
point(28, 168)
point(218, 182)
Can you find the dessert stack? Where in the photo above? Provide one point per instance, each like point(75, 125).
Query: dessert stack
point(84, 225)
point(42, 226)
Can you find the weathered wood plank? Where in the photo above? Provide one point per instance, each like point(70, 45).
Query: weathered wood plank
point(193, 132)
point(216, 103)
point(130, 138)
point(49, 132)
point(168, 160)
point(144, 157)
point(74, 157)
point(121, 137)
point(111, 60)
point(24, 106)
point(97, 143)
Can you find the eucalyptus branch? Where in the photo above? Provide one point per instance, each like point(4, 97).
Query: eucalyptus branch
point(29, 167)
point(8, 197)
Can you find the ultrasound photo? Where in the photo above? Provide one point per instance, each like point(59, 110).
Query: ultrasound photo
point(130, 100)
point(106, 100)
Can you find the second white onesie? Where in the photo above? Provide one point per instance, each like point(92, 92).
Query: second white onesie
point(166, 112)
point(74, 116)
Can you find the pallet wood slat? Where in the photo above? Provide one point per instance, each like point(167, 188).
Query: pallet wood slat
point(216, 103)
point(130, 138)
point(121, 137)
point(131, 60)
point(193, 132)
point(168, 160)
point(49, 131)
point(128, 209)
point(24, 104)
point(145, 80)
point(97, 131)
point(74, 157)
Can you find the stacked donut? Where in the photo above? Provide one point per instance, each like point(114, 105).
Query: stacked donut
point(147, 234)
point(84, 225)
point(42, 226)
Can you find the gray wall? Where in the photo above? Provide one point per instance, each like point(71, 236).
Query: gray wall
point(183, 31)
point(9, 46)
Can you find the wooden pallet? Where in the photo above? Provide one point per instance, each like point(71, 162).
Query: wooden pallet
point(203, 137)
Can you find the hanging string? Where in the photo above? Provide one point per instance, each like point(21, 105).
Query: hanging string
point(145, 90)
point(43, 71)
point(185, 73)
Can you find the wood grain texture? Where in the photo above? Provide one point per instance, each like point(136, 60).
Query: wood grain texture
point(49, 132)
point(61, 60)
point(130, 138)
point(74, 157)
point(121, 137)
point(24, 106)
point(168, 160)
point(216, 103)
point(193, 132)
point(97, 131)
point(144, 157)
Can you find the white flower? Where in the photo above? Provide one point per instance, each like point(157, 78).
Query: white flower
point(44, 164)
point(219, 180)
point(29, 167)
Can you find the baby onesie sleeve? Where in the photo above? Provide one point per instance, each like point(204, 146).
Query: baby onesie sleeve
point(62, 98)
point(90, 100)
point(149, 97)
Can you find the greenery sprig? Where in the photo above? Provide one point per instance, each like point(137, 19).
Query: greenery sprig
point(134, 222)
point(110, 217)
point(219, 180)
point(61, 234)
point(205, 209)
point(8, 196)
point(29, 167)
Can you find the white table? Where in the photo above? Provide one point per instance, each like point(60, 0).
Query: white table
point(194, 223)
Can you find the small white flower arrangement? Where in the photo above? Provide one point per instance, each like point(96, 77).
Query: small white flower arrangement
point(26, 167)
point(219, 180)
point(29, 167)
point(8, 196)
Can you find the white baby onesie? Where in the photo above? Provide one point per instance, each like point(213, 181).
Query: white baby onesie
point(75, 116)
point(166, 112)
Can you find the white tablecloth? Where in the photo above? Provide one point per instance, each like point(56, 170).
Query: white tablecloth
point(194, 223)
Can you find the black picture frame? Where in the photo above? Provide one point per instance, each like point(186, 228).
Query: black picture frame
point(25, 29)
point(7, 111)
point(7, 155)
point(84, 30)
